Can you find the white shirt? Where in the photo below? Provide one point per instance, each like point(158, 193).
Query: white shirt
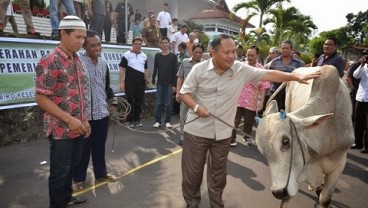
point(362, 74)
point(171, 30)
point(9, 11)
point(178, 38)
point(164, 18)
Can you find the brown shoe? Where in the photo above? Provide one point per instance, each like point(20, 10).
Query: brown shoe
point(109, 177)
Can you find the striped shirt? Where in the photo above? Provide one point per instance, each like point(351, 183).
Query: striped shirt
point(97, 74)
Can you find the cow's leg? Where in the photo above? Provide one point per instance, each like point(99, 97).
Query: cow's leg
point(319, 190)
point(330, 183)
point(284, 203)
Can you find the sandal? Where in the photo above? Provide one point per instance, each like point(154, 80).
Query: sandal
point(109, 177)
point(77, 186)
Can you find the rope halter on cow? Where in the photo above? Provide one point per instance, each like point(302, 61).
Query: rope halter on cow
point(293, 131)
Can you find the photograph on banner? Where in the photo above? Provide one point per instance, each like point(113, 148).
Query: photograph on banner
point(19, 57)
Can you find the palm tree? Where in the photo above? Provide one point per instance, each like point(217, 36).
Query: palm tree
point(262, 7)
point(290, 24)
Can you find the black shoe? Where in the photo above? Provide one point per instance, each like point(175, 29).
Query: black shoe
point(55, 37)
point(77, 201)
point(180, 142)
point(364, 151)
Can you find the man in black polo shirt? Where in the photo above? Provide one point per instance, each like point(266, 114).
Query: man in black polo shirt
point(132, 76)
point(330, 56)
point(119, 20)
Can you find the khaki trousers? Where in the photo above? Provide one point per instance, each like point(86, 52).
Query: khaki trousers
point(26, 11)
point(195, 151)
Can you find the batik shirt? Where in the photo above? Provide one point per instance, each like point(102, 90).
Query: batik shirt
point(63, 79)
point(251, 91)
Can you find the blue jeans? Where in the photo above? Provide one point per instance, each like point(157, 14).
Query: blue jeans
point(65, 155)
point(54, 13)
point(163, 97)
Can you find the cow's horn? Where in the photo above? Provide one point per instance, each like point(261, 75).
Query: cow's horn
point(271, 108)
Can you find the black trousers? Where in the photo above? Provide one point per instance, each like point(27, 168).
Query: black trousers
point(121, 32)
point(163, 32)
point(94, 145)
point(280, 99)
point(107, 29)
point(65, 155)
point(134, 91)
point(361, 124)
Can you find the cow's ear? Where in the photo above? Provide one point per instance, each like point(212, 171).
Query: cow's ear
point(314, 121)
point(271, 108)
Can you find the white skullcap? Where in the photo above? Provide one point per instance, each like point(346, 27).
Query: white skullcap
point(71, 22)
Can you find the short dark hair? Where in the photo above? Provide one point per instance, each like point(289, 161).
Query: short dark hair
point(165, 38)
point(216, 42)
point(174, 19)
point(183, 45)
point(198, 45)
point(166, 4)
point(255, 48)
point(137, 39)
point(287, 42)
point(333, 39)
point(90, 33)
point(183, 26)
point(68, 31)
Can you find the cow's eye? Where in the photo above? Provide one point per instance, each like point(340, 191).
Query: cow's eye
point(285, 143)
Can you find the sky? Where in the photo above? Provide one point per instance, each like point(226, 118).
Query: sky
point(326, 14)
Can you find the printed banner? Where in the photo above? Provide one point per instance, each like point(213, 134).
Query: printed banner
point(18, 60)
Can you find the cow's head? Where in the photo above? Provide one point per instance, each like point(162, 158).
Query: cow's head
point(276, 140)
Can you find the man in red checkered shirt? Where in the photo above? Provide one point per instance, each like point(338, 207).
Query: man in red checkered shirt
point(62, 91)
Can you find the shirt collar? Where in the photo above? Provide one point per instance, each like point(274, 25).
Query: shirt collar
point(64, 55)
point(84, 55)
point(211, 66)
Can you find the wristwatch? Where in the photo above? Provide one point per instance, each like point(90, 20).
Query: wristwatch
point(195, 109)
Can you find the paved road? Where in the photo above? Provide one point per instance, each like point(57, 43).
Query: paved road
point(148, 166)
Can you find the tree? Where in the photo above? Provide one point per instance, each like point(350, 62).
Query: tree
point(358, 26)
point(261, 7)
point(290, 24)
point(341, 35)
point(203, 38)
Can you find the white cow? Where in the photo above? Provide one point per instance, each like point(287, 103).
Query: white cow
point(310, 141)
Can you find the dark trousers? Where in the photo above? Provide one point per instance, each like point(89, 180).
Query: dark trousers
point(94, 145)
point(163, 32)
point(248, 117)
point(121, 31)
point(280, 99)
point(65, 155)
point(176, 105)
point(134, 92)
point(353, 102)
point(97, 23)
point(107, 29)
point(361, 124)
point(194, 155)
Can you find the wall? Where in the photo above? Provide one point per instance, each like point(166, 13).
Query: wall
point(26, 124)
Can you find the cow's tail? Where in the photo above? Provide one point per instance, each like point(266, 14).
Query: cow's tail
point(281, 87)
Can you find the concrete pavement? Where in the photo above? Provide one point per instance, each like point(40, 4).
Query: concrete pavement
point(147, 162)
